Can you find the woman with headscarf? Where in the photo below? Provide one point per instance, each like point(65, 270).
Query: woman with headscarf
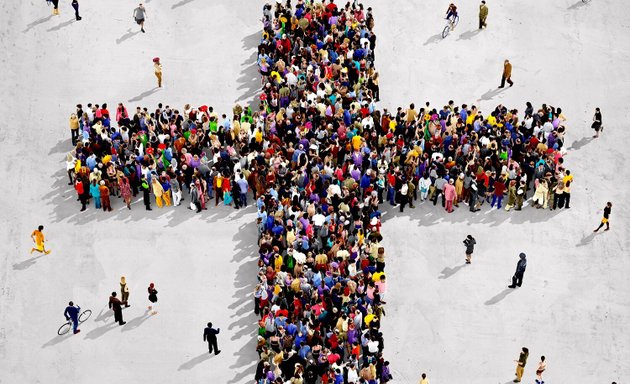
point(158, 191)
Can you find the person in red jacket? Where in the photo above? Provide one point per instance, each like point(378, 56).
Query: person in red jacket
point(79, 187)
point(499, 188)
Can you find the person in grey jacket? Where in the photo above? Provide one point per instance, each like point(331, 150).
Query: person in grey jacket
point(517, 279)
point(195, 198)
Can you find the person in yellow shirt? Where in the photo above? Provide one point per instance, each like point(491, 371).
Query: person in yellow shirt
point(157, 69)
point(568, 180)
point(38, 239)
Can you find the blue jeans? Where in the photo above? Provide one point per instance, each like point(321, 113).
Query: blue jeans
point(97, 201)
point(243, 198)
point(494, 200)
point(391, 195)
point(75, 324)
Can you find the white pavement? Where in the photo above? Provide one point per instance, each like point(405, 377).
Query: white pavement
point(459, 325)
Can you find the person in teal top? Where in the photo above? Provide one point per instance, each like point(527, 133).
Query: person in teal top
point(96, 194)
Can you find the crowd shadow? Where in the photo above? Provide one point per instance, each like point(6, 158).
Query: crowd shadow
point(144, 94)
point(181, 3)
point(192, 363)
point(61, 25)
point(448, 271)
point(249, 80)
point(244, 320)
point(498, 297)
point(128, 35)
point(469, 34)
point(37, 22)
point(26, 263)
point(62, 146)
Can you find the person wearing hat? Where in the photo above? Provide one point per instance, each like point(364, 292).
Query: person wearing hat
point(517, 279)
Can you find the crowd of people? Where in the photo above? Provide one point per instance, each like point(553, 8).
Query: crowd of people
point(319, 159)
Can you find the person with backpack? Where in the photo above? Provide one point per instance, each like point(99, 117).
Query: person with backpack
point(469, 242)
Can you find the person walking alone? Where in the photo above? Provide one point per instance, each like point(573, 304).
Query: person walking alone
point(140, 15)
point(470, 247)
point(116, 305)
point(210, 336)
point(124, 292)
point(72, 313)
point(483, 15)
point(597, 122)
point(507, 74)
point(75, 5)
point(38, 239)
point(517, 279)
point(157, 69)
point(605, 219)
point(520, 364)
point(542, 365)
point(152, 297)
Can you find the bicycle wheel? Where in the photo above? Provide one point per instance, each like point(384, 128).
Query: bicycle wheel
point(445, 31)
point(84, 315)
point(455, 21)
point(64, 328)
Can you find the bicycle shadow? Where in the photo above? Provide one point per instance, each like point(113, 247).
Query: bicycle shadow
point(190, 364)
point(434, 39)
point(26, 263)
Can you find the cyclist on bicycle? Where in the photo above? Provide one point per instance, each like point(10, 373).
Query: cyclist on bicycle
point(451, 12)
point(72, 313)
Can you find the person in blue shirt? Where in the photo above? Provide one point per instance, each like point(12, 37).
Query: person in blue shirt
point(72, 313)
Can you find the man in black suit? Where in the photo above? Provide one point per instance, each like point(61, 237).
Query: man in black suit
point(210, 335)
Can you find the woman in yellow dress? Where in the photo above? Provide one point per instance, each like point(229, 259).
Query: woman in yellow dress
point(38, 239)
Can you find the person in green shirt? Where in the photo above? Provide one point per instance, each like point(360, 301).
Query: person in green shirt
point(520, 364)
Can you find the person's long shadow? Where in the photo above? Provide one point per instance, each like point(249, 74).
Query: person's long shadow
point(56, 340)
point(491, 93)
point(128, 35)
point(100, 331)
point(586, 240)
point(500, 296)
point(190, 364)
point(580, 143)
point(434, 39)
point(577, 5)
point(104, 315)
point(136, 322)
point(37, 22)
point(26, 263)
point(144, 94)
point(448, 272)
point(469, 34)
point(181, 3)
point(62, 25)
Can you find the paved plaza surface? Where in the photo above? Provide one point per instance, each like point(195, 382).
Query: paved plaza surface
point(458, 323)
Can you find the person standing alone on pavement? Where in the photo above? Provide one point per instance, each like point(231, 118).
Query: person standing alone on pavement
point(152, 297)
point(470, 247)
point(520, 364)
point(607, 209)
point(542, 365)
point(75, 5)
point(483, 15)
point(157, 69)
point(517, 279)
point(210, 335)
point(140, 14)
point(124, 292)
point(507, 74)
point(116, 306)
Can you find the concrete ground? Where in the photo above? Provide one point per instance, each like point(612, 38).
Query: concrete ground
point(457, 323)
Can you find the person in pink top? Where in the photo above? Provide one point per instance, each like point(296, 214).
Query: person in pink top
point(449, 195)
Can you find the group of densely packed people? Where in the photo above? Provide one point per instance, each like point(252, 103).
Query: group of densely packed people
point(320, 159)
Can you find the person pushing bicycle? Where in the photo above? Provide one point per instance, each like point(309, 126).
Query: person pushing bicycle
point(72, 313)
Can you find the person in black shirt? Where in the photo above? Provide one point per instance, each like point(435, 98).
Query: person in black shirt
point(597, 123)
point(470, 247)
point(210, 335)
point(606, 217)
point(517, 279)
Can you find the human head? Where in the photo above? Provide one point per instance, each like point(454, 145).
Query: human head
point(542, 358)
point(608, 204)
point(424, 375)
point(522, 255)
point(41, 227)
point(71, 303)
point(114, 294)
point(209, 325)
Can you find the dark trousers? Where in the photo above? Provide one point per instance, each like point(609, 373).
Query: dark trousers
point(212, 346)
point(74, 135)
point(482, 22)
point(84, 200)
point(508, 79)
point(75, 5)
point(567, 199)
point(55, 4)
point(403, 202)
point(517, 279)
point(118, 317)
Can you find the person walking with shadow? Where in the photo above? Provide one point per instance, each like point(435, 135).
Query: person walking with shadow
point(39, 240)
point(483, 14)
point(210, 336)
point(605, 219)
point(517, 279)
point(157, 69)
point(507, 74)
point(116, 305)
point(124, 291)
point(140, 14)
point(520, 364)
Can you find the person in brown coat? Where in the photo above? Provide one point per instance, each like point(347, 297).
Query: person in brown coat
point(105, 196)
point(483, 14)
point(507, 74)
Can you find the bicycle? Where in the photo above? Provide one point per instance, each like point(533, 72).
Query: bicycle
point(67, 326)
point(451, 23)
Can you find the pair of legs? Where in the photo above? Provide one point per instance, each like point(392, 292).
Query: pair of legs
point(604, 222)
point(496, 198)
point(504, 79)
point(212, 346)
point(517, 281)
point(468, 258)
point(41, 248)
